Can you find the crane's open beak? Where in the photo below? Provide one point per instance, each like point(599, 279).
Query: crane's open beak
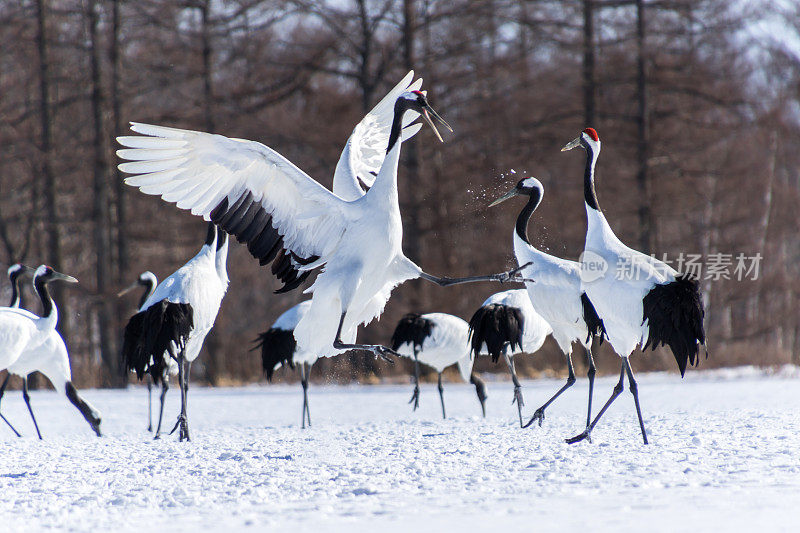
point(430, 114)
point(63, 277)
point(128, 289)
point(510, 194)
point(572, 144)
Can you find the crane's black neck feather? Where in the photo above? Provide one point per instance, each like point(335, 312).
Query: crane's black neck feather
point(589, 194)
point(400, 108)
point(534, 199)
point(44, 295)
point(149, 286)
point(210, 233)
point(15, 292)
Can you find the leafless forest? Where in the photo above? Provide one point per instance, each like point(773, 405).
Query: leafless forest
point(697, 103)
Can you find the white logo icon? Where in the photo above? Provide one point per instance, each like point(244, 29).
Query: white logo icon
point(593, 266)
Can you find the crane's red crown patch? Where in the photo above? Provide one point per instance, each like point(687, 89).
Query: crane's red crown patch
point(591, 133)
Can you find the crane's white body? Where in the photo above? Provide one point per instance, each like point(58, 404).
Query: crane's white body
point(49, 357)
point(618, 295)
point(448, 344)
point(22, 331)
point(199, 284)
point(357, 239)
point(556, 293)
point(535, 328)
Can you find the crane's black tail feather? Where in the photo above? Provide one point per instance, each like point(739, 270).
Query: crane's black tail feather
point(496, 326)
point(151, 335)
point(674, 315)
point(277, 348)
point(411, 329)
point(593, 321)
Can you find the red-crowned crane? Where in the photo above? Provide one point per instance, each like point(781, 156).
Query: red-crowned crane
point(506, 324)
point(556, 294)
point(279, 348)
point(176, 318)
point(437, 340)
point(641, 300)
point(29, 343)
point(288, 219)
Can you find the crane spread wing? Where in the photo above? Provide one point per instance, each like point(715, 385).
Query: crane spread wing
point(365, 150)
point(245, 187)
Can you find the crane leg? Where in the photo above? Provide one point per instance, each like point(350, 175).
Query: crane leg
point(2, 391)
point(502, 277)
point(381, 351)
point(164, 389)
point(517, 387)
point(441, 396)
point(618, 388)
point(183, 419)
point(590, 374)
point(415, 395)
point(27, 399)
point(635, 391)
point(480, 390)
point(150, 404)
point(305, 372)
point(539, 413)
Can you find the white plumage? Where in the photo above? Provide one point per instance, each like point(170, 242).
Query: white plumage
point(437, 340)
point(291, 220)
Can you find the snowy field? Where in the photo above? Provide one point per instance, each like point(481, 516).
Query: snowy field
point(725, 456)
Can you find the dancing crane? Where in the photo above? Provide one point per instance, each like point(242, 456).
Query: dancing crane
point(29, 343)
point(506, 323)
point(176, 318)
point(288, 219)
point(437, 340)
point(641, 300)
point(556, 295)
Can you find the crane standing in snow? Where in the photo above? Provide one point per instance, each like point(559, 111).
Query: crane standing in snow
point(653, 306)
point(506, 324)
point(556, 295)
point(176, 318)
point(288, 219)
point(437, 340)
point(29, 343)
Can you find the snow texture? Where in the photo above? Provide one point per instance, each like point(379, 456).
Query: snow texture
point(724, 456)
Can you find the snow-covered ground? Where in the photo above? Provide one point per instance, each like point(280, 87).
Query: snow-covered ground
point(724, 455)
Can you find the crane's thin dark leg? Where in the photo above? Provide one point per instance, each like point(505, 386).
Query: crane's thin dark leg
point(2, 391)
point(27, 398)
point(164, 389)
point(381, 351)
point(415, 395)
point(183, 419)
point(150, 404)
point(304, 373)
point(441, 396)
point(590, 374)
point(635, 391)
point(480, 390)
point(517, 387)
point(502, 277)
point(618, 388)
point(539, 413)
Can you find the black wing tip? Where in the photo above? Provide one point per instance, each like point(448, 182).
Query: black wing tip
point(594, 324)
point(411, 329)
point(496, 326)
point(674, 314)
point(277, 348)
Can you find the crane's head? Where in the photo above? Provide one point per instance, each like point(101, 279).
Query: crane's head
point(145, 279)
point(46, 274)
point(588, 139)
point(525, 187)
point(418, 101)
point(16, 270)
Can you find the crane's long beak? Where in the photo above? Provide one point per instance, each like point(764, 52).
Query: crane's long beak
point(128, 289)
point(510, 194)
point(63, 277)
point(572, 144)
point(429, 114)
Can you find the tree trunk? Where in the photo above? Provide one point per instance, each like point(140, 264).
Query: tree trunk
point(646, 225)
point(123, 260)
point(589, 83)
